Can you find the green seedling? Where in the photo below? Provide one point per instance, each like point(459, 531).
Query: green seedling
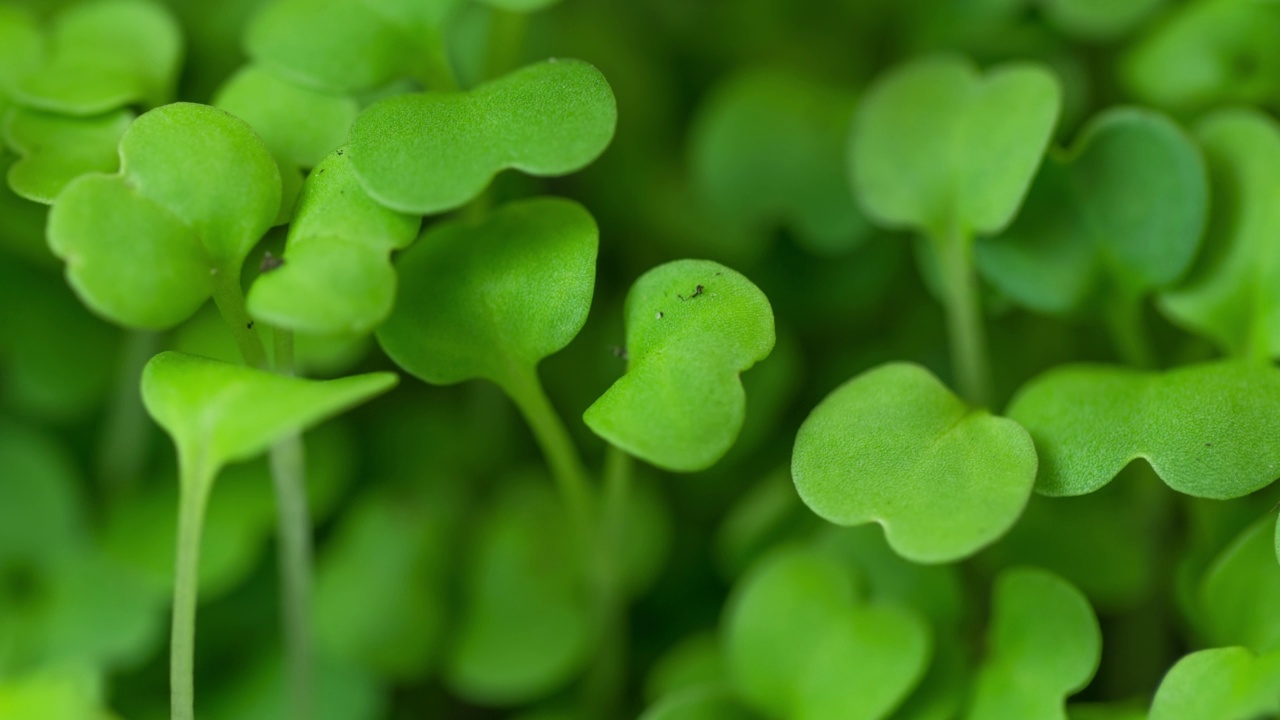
point(1229, 683)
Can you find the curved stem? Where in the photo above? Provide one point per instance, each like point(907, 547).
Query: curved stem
point(963, 305)
point(229, 298)
point(193, 496)
point(525, 389)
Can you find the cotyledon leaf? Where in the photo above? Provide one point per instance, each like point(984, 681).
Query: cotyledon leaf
point(924, 135)
point(491, 299)
point(430, 152)
point(336, 277)
point(692, 327)
point(218, 413)
point(1240, 593)
point(895, 446)
point(1228, 683)
point(1119, 214)
point(1043, 644)
point(21, 47)
point(1208, 430)
point(196, 191)
point(801, 644)
point(104, 55)
point(698, 703)
point(1102, 20)
point(1233, 294)
point(56, 149)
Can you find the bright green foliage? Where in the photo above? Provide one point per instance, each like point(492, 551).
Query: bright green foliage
point(492, 299)
point(520, 6)
point(71, 692)
point(1206, 429)
point(1233, 295)
point(351, 46)
point(1043, 644)
point(767, 150)
point(103, 55)
point(692, 327)
point(1207, 53)
point(298, 124)
point(1241, 591)
point(525, 627)
point(1220, 684)
point(337, 276)
point(1118, 215)
point(21, 48)
point(430, 152)
point(56, 149)
point(924, 136)
point(801, 644)
point(196, 191)
point(219, 413)
point(1098, 19)
point(894, 446)
point(700, 703)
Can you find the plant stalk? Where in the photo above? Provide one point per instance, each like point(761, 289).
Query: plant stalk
point(604, 685)
point(122, 448)
point(963, 306)
point(1124, 319)
point(229, 298)
point(193, 497)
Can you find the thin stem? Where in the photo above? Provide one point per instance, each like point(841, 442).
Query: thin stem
point(122, 448)
point(506, 41)
point(1124, 318)
point(288, 473)
point(525, 389)
point(604, 685)
point(229, 298)
point(963, 306)
point(192, 499)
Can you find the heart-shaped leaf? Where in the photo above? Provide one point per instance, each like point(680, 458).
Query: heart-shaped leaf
point(196, 191)
point(1118, 215)
point(298, 124)
point(1043, 644)
point(337, 277)
point(56, 149)
point(1207, 53)
point(1241, 591)
point(895, 446)
point(925, 135)
point(1223, 683)
point(526, 627)
point(492, 299)
point(218, 413)
point(103, 55)
point(767, 150)
point(351, 46)
point(1233, 294)
point(692, 327)
point(426, 153)
point(833, 656)
point(1206, 429)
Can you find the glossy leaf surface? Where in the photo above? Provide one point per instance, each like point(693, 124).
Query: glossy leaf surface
point(56, 149)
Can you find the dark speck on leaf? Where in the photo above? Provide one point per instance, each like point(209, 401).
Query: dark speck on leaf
point(339, 152)
point(1208, 444)
point(619, 351)
point(658, 316)
point(250, 325)
point(269, 262)
point(696, 292)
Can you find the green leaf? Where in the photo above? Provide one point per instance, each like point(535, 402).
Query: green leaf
point(801, 645)
point(1232, 296)
point(1043, 644)
point(1206, 429)
point(196, 191)
point(895, 446)
point(693, 326)
point(56, 149)
point(699, 703)
point(767, 151)
point(925, 135)
point(526, 626)
point(104, 55)
point(1207, 53)
point(426, 153)
point(520, 6)
point(350, 46)
point(259, 691)
point(41, 511)
point(695, 662)
point(1223, 684)
point(21, 47)
point(1119, 214)
point(219, 413)
point(1103, 20)
point(72, 692)
point(298, 124)
point(1241, 591)
point(491, 299)
point(337, 277)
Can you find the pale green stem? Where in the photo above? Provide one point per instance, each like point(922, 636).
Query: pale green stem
point(229, 298)
point(604, 683)
point(1124, 318)
point(525, 389)
point(122, 448)
point(193, 496)
point(506, 41)
point(963, 307)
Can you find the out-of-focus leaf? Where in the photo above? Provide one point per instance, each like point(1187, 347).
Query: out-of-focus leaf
point(1240, 593)
point(1223, 684)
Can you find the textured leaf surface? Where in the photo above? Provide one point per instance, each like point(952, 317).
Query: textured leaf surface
point(1208, 429)
point(692, 327)
point(894, 446)
point(56, 149)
